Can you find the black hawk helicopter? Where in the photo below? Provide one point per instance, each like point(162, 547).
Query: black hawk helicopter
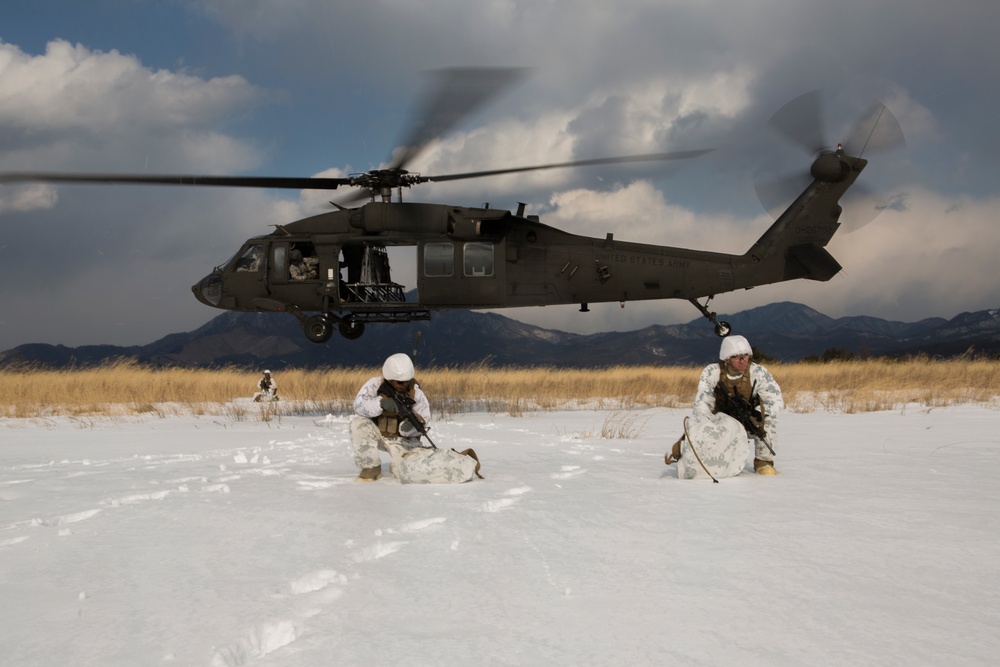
point(332, 272)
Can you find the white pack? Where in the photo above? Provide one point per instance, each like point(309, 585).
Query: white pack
point(424, 465)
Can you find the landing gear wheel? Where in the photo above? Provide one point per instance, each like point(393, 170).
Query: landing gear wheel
point(722, 329)
point(350, 329)
point(318, 328)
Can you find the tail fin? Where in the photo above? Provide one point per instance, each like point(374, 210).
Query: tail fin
point(794, 246)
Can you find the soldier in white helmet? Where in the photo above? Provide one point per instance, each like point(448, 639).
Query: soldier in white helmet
point(378, 421)
point(736, 399)
point(268, 389)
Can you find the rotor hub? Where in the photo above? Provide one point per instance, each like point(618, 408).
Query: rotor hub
point(830, 168)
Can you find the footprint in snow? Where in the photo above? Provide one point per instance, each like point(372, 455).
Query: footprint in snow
point(317, 589)
point(309, 485)
point(316, 581)
point(512, 496)
point(65, 518)
point(414, 526)
point(260, 640)
point(499, 504)
point(136, 498)
point(376, 551)
point(568, 472)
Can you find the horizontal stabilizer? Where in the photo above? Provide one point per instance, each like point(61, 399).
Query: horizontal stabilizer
point(810, 261)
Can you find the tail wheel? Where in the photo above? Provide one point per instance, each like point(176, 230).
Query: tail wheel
point(318, 329)
point(351, 329)
point(722, 329)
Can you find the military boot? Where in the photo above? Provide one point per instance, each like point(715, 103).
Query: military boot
point(675, 453)
point(762, 467)
point(370, 474)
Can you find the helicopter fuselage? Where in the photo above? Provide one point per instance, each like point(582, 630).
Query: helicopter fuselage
point(333, 269)
point(466, 258)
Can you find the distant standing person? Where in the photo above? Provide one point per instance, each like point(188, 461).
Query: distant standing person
point(736, 399)
point(268, 389)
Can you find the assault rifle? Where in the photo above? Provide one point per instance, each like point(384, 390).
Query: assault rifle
point(749, 414)
point(404, 408)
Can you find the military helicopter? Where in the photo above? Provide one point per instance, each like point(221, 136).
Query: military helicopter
point(332, 270)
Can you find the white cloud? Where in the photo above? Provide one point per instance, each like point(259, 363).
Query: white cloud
point(27, 198)
point(72, 87)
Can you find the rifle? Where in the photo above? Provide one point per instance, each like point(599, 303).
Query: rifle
point(404, 408)
point(749, 414)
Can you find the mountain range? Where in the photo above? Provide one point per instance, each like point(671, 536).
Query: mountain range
point(785, 331)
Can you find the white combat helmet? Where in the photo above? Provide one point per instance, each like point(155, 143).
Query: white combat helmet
point(734, 345)
point(398, 367)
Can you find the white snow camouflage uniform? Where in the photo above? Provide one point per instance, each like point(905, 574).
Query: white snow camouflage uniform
point(412, 461)
point(721, 442)
point(268, 389)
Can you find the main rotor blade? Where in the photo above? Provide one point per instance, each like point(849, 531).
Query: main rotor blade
point(289, 183)
point(649, 157)
point(454, 95)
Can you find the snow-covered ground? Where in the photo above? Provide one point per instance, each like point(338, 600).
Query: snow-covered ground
point(203, 541)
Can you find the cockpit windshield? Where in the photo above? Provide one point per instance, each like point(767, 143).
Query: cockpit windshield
point(226, 263)
point(250, 259)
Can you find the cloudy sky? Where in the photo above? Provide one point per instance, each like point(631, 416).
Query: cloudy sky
point(307, 87)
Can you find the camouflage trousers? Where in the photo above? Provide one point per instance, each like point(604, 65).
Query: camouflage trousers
point(367, 441)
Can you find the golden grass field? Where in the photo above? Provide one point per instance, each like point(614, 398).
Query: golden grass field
point(125, 388)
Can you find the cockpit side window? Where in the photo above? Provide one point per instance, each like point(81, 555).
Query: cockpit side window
point(252, 259)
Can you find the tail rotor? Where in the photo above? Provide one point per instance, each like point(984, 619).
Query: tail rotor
point(801, 122)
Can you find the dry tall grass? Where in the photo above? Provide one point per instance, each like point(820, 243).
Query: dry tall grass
point(125, 388)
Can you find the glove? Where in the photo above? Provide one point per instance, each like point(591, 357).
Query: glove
point(388, 405)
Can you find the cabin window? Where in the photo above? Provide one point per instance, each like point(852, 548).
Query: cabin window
point(303, 262)
point(478, 259)
point(252, 259)
point(280, 259)
point(439, 260)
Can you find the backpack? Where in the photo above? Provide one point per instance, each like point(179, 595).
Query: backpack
point(425, 465)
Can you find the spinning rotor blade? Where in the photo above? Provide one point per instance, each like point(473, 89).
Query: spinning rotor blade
point(391, 178)
point(801, 121)
point(649, 157)
point(405, 179)
point(292, 183)
point(876, 130)
point(456, 93)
